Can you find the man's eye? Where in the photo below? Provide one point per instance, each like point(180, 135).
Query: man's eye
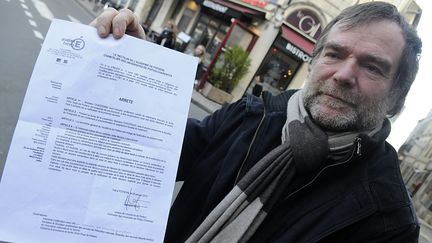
point(373, 69)
point(331, 54)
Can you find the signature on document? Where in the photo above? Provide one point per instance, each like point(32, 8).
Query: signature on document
point(134, 201)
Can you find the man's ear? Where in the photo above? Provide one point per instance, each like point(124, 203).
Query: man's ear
point(392, 100)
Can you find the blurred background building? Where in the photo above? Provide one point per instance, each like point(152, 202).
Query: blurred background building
point(416, 166)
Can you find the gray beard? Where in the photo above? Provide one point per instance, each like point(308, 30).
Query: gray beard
point(365, 113)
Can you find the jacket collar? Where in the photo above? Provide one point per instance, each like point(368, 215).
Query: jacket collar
point(277, 103)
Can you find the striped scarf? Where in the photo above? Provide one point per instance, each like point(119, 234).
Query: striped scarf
point(304, 148)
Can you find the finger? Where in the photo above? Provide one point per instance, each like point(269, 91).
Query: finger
point(104, 21)
point(127, 22)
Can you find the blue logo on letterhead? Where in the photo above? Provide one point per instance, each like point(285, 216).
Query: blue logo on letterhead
point(77, 44)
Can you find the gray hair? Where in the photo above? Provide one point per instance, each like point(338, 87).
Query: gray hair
point(368, 13)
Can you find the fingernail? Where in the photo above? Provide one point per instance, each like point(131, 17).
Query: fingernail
point(101, 30)
point(117, 31)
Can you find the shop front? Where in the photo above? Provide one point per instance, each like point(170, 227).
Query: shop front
point(222, 24)
point(286, 62)
point(288, 54)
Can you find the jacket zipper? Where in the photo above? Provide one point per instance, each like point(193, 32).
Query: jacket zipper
point(249, 149)
point(356, 150)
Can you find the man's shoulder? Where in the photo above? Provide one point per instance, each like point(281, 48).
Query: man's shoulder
point(277, 103)
point(384, 176)
point(267, 101)
point(388, 188)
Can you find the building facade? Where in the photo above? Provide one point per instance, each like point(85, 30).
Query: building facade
point(416, 166)
point(278, 35)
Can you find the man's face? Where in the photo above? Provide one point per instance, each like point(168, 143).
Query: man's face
point(350, 81)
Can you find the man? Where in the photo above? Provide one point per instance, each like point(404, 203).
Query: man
point(305, 166)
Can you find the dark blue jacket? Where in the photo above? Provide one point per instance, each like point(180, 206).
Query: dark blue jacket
point(360, 200)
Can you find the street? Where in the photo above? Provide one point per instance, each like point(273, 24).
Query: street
point(25, 25)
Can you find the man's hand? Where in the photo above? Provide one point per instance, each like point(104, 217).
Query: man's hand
point(119, 23)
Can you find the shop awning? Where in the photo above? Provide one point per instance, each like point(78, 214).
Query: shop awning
point(241, 10)
point(297, 39)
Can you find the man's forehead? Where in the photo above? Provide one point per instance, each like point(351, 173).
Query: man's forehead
point(338, 46)
point(383, 37)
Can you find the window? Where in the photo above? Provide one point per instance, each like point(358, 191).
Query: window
point(210, 33)
point(185, 19)
point(276, 71)
point(154, 11)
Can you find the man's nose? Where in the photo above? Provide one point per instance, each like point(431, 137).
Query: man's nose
point(346, 72)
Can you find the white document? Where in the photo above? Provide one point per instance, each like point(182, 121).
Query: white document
point(95, 152)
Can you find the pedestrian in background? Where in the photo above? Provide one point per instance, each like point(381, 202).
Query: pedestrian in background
point(199, 52)
point(168, 36)
point(258, 87)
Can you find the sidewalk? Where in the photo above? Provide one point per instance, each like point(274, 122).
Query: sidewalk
point(202, 102)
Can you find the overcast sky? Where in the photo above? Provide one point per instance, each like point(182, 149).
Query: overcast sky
point(419, 99)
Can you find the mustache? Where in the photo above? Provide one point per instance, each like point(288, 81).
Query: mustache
point(340, 93)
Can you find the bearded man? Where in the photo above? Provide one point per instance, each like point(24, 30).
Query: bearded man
point(308, 165)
